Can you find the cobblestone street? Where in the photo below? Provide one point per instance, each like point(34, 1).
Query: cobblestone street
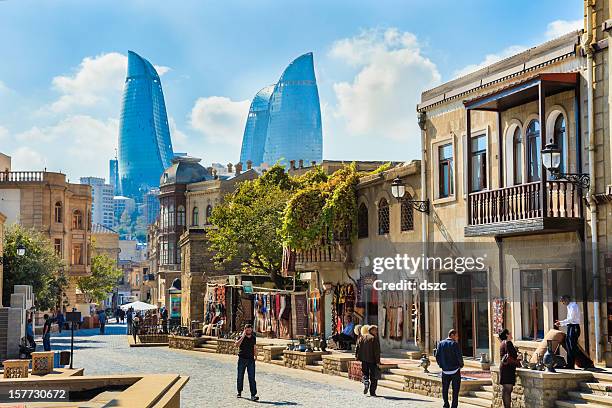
point(212, 376)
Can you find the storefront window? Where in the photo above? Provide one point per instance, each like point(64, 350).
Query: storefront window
point(532, 304)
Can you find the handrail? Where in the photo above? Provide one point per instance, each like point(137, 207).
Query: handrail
point(21, 176)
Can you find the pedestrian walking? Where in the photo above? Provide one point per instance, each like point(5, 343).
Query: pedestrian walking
point(130, 319)
point(575, 354)
point(369, 353)
point(60, 320)
point(30, 334)
point(47, 332)
point(361, 331)
point(135, 326)
point(507, 368)
point(164, 319)
point(247, 345)
point(102, 320)
point(450, 360)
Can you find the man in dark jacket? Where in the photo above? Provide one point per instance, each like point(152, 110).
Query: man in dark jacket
point(450, 360)
point(369, 351)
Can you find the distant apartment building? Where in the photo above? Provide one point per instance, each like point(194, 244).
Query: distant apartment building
point(150, 208)
point(113, 175)
point(60, 210)
point(102, 209)
point(121, 205)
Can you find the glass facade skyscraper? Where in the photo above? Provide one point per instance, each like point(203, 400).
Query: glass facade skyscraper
point(145, 148)
point(256, 129)
point(292, 120)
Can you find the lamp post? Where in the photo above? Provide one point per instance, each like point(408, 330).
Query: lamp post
point(551, 158)
point(398, 190)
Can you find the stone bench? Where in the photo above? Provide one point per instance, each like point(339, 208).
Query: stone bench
point(16, 368)
point(301, 359)
point(184, 343)
point(42, 362)
point(271, 352)
point(227, 346)
point(334, 364)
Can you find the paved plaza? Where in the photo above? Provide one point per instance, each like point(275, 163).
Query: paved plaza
point(212, 376)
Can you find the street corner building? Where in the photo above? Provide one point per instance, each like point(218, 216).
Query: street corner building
point(145, 147)
point(284, 121)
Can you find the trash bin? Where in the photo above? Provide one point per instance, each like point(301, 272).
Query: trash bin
point(64, 358)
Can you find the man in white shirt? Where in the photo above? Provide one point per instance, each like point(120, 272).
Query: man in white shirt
point(572, 322)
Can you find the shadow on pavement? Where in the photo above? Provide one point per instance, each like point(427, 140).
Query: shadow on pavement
point(276, 403)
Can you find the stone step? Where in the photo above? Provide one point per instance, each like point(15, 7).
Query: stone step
point(278, 362)
point(479, 402)
point(409, 367)
point(488, 388)
point(482, 395)
point(590, 397)
point(394, 377)
point(391, 384)
point(315, 368)
point(204, 350)
point(602, 376)
point(215, 342)
point(597, 387)
point(400, 371)
point(209, 346)
point(577, 404)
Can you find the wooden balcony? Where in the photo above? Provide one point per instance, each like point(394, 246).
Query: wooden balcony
point(332, 255)
point(525, 209)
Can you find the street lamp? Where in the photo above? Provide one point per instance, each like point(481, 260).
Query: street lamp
point(21, 250)
point(551, 159)
point(398, 190)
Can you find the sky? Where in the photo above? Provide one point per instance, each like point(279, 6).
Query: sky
point(63, 66)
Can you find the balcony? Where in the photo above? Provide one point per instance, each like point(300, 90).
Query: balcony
point(21, 176)
point(525, 209)
point(330, 255)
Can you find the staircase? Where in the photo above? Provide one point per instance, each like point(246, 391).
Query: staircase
point(209, 346)
point(483, 397)
point(595, 394)
point(317, 367)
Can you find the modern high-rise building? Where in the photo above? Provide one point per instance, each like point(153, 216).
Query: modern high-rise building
point(113, 175)
point(294, 127)
point(145, 148)
point(102, 209)
point(289, 114)
point(150, 205)
point(256, 129)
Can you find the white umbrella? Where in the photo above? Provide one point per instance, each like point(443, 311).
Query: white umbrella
point(138, 306)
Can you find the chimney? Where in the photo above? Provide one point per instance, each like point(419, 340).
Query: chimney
point(229, 168)
point(238, 168)
point(313, 163)
point(292, 164)
point(301, 163)
point(249, 164)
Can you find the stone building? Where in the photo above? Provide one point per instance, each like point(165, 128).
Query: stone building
point(60, 210)
point(105, 241)
point(196, 257)
point(2, 221)
point(491, 193)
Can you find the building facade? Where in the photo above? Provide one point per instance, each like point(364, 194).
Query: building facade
point(256, 128)
point(145, 147)
point(46, 202)
point(113, 175)
point(102, 207)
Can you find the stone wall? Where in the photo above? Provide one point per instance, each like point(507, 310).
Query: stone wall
point(335, 365)
point(539, 389)
point(299, 359)
point(227, 346)
point(184, 343)
point(153, 338)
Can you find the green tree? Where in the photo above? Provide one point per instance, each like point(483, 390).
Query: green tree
point(248, 222)
point(103, 279)
point(39, 267)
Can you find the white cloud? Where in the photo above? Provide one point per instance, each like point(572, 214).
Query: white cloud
point(78, 145)
point(380, 100)
point(220, 119)
point(490, 59)
point(96, 80)
point(557, 28)
point(4, 134)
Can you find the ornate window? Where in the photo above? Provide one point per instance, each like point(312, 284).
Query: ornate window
point(479, 163)
point(180, 215)
point(445, 171)
point(58, 247)
point(171, 215)
point(195, 217)
point(77, 220)
point(534, 147)
point(407, 221)
point(517, 153)
point(383, 217)
point(77, 254)
point(362, 221)
point(560, 139)
point(208, 213)
point(58, 211)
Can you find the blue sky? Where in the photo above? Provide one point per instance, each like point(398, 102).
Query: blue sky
point(63, 66)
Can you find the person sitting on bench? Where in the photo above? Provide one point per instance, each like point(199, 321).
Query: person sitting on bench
point(345, 338)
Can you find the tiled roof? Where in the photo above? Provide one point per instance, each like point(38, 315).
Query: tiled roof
point(101, 229)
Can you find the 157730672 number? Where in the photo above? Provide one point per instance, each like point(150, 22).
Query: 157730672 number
point(35, 395)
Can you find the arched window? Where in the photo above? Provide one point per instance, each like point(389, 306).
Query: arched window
point(195, 217)
point(362, 221)
point(208, 213)
point(383, 217)
point(534, 147)
point(407, 216)
point(58, 211)
point(77, 220)
point(517, 155)
point(180, 215)
point(171, 215)
point(559, 136)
